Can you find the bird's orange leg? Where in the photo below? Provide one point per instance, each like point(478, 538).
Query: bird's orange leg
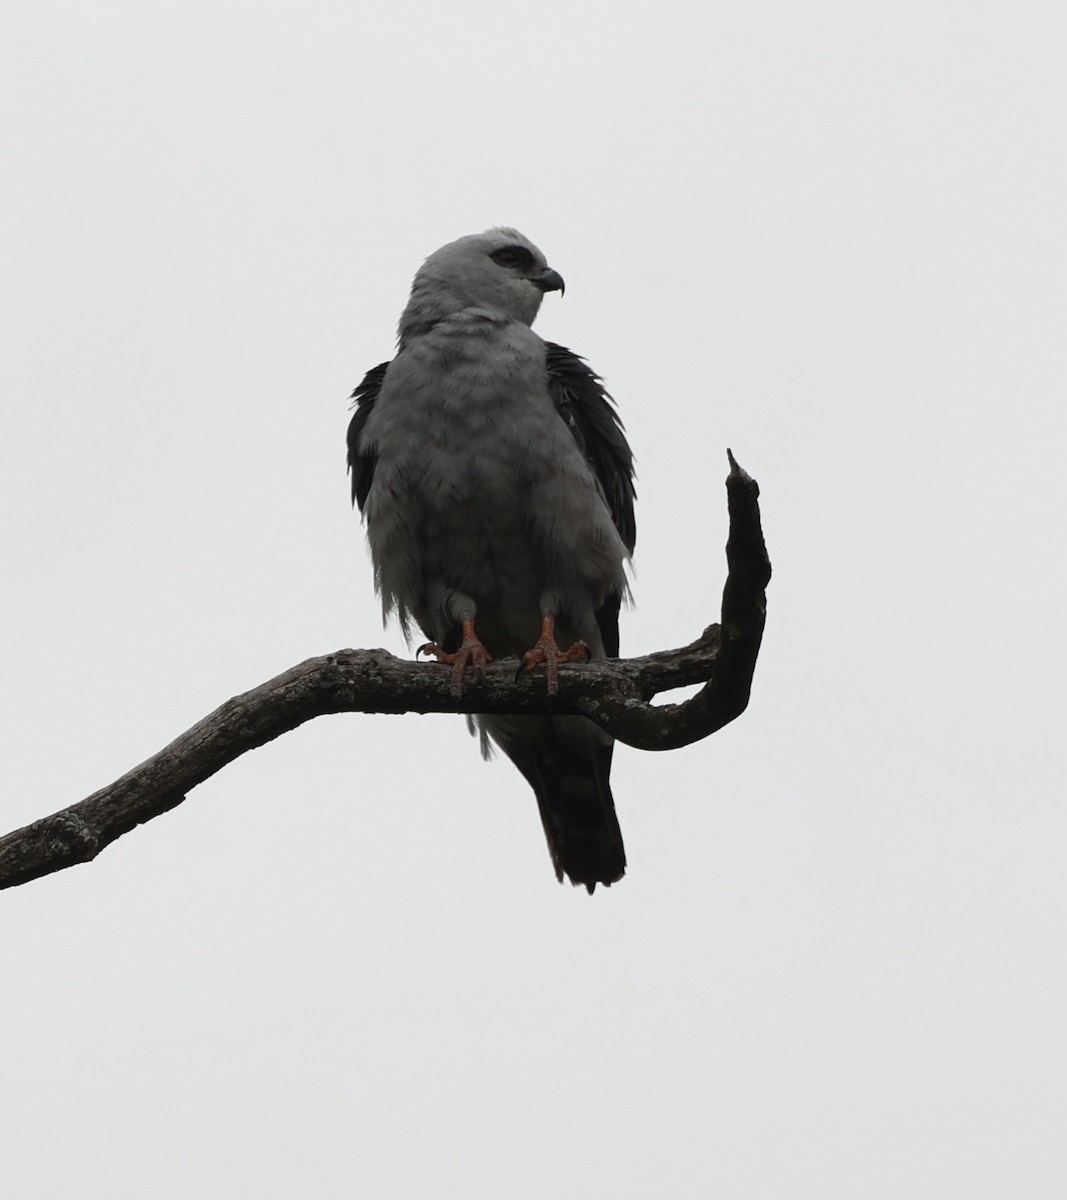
point(470, 654)
point(546, 652)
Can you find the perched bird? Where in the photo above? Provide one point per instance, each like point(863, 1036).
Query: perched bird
point(496, 484)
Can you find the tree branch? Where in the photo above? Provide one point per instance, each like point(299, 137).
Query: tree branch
point(616, 695)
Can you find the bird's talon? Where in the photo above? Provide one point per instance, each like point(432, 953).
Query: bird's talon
point(470, 654)
point(546, 653)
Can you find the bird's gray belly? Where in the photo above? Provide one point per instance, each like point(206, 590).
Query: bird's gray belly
point(477, 544)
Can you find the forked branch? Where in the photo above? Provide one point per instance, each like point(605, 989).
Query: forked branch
point(616, 695)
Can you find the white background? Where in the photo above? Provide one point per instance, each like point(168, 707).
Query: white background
point(828, 235)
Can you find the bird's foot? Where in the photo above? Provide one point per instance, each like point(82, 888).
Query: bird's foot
point(546, 653)
point(470, 654)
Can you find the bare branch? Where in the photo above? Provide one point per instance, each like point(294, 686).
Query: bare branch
point(616, 695)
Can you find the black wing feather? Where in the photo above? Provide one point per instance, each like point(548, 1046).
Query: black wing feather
point(591, 417)
point(590, 414)
point(361, 461)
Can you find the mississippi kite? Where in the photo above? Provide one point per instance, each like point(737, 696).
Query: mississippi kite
point(497, 488)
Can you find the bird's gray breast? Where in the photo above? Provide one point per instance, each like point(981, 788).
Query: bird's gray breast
point(480, 490)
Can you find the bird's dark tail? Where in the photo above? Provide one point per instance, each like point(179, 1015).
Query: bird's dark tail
point(578, 814)
point(567, 762)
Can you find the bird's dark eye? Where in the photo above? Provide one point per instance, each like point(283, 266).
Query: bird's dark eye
point(513, 256)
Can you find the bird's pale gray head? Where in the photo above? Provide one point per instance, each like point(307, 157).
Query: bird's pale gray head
point(498, 271)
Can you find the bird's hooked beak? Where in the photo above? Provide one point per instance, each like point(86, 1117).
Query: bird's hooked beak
point(550, 281)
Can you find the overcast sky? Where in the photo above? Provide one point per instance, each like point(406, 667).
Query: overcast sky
point(830, 236)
